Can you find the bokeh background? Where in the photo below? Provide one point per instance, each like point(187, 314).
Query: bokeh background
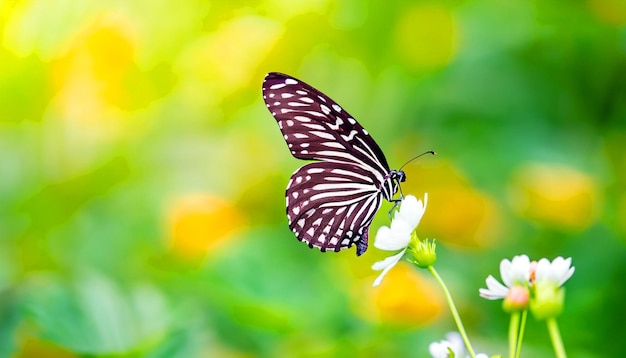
point(142, 179)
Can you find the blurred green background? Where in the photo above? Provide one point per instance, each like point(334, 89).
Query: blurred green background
point(142, 179)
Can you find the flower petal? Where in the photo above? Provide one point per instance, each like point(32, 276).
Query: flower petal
point(520, 268)
point(506, 273)
point(412, 210)
point(458, 346)
point(383, 239)
point(566, 277)
point(495, 290)
point(386, 265)
point(542, 271)
point(395, 237)
point(440, 349)
point(558, 271)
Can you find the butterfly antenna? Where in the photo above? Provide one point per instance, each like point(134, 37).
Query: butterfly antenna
point(412, 159)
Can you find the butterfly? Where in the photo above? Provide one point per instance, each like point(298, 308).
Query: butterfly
point(330, 202)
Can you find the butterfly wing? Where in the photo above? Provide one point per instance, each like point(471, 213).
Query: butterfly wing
point(331, 205)
point(315, 127)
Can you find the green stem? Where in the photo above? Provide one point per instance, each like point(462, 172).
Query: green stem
point(455, 314)
point(555, 336)
point(520, 336)
point(513, 333)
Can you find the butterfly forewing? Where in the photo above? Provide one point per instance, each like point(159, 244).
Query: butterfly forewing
point(315, 127)
point(330, 203)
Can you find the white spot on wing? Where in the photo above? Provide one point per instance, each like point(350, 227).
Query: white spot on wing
point(323, 135)
point(325, 109)
point(336, 107)
point(315, 170)
point(290, 81)
point(350, 137)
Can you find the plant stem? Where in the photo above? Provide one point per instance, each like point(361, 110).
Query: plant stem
point(555, 336)
point(455, 314)
point(520, 336)
point(513, 333)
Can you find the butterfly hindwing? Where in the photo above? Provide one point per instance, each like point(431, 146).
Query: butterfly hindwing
point(331, 205)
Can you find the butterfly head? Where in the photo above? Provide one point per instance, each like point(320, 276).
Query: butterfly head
point(391, 184)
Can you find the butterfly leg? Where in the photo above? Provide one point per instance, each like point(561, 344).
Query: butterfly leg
point(395, 202)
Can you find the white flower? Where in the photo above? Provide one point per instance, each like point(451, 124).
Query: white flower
point(557, 272)
point(453, 342)
point(398, 235)
point(515, 272)
point(441, 349)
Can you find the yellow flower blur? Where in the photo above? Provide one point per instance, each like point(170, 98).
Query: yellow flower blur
point(554, 195)
point(199, 223)
point(457, 212)
point(405, 298)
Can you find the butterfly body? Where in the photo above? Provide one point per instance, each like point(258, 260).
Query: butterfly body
point(330, 202)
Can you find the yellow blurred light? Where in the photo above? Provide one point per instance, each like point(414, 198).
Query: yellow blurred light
point(229, 57)
point(199, 223)
point(403, 298)
point(554, 195)
point(612, 12)
point(456, 213)
point(426, 36)
point(90, 78)
point(32, 346)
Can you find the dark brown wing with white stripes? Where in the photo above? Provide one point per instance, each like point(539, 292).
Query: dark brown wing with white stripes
point(315, 127)
point(330, 204)
point(331, 207)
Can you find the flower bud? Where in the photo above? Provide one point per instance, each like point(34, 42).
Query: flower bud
point(547, 301)
point(516, 299)
point(422, 252)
